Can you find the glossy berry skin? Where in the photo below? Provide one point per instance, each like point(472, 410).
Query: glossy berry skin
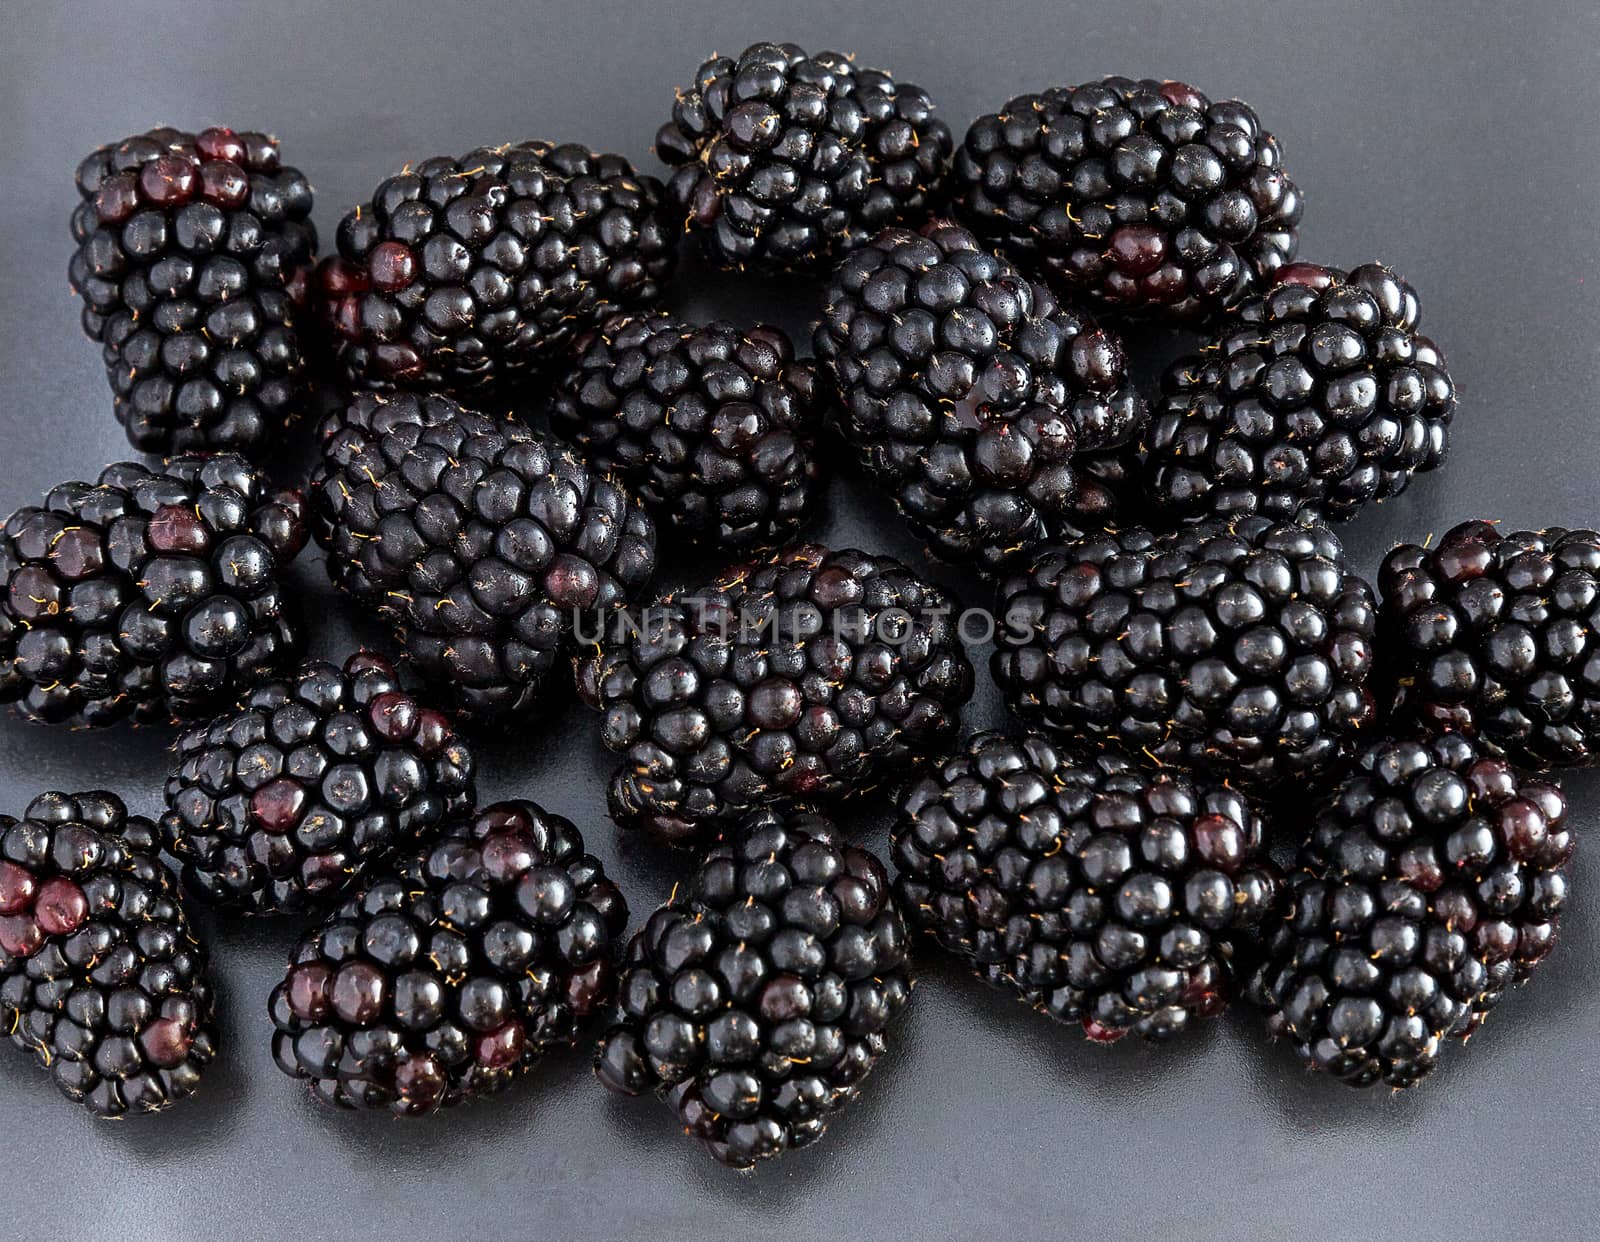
point(969, 392)
point(1143, 196)
point(278, 807)
point(151, 595)
point(193, 253)
point(1099, 894)
point(101, 977)
point(759, 997)
point(1433, 881)
point(808, 676)
point(784, 161)
point(1240, 647)
point(1491, 633)
point(480, 542)
point(452, 971)
point(1318, 395)
point(714, 428)
point(467, 273)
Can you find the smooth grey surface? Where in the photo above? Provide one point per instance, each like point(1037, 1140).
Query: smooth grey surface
point(1453, 140)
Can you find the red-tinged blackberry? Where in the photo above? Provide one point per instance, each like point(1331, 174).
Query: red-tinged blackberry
point(451, 972)
point(1492, 634)
point(784, 161)
point(193, 257)
point(480, 542)
point(810, 675)
point(1143, 195)
point(465, 273)
point(713, 427)
point(759, 997)
point(280, 805)
point(101, 977)
point(1433, 881)
point(1100, 894)
point(1318, 394)
point(968, 391)
point(1238, 646)
point(152, 595)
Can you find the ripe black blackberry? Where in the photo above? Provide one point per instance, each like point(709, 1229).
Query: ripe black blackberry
point(968, 391)
point(193, 257)
point(465, 273)
point(1434, 881)
point(278, 806)
point(784, 161)
point(1318, 394)
point(151, 595)
point(812, 674)
point(101, 977)
point(1099, 894)
point(1239, 646)
point(1144, 195)
point(1492, 634)
point(758, 998)
point(713, 427)
point(479, 541)
point(453, 971)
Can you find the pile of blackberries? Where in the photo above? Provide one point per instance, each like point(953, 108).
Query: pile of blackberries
point(1179, 633)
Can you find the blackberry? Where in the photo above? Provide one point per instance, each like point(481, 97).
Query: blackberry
point(1099, 894)
point(193, 252)
point(280, 805)
point(968, 391)
point(713, 427)
point(758, 998)
point(784, 161)
point(479, 541)
point(1433, 882)
point(1143, 195)
point(1318, 394)
point(1492, 634)
point(1240, 646)
point(465, 273)
point(452, 972)
point(150, 595)
point(812, 674)
point(101, 977)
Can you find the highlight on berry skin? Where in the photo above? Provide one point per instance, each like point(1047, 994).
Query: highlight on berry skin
point(102, 978)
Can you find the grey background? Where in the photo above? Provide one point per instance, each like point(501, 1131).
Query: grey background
point(1453, 140)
